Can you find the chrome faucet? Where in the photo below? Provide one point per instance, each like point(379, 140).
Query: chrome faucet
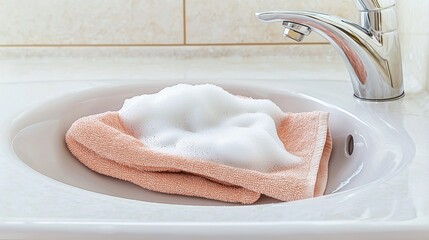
point(370, 49)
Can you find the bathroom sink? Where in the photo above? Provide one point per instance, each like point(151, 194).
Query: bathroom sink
point(367, 148)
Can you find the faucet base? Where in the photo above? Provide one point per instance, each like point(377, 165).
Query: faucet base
point(380, 100)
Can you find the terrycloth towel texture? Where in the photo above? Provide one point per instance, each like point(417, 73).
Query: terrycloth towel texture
point(105, 145)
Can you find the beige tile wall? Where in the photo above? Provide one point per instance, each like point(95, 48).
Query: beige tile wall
point(87, 22)
point(150, 22)
point(413, 17)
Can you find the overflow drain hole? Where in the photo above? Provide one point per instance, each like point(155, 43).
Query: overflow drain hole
point(350, 145)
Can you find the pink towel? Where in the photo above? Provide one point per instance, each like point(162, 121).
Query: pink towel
point(105, 145)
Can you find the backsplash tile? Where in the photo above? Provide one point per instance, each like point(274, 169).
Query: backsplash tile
point(71, 22)
point(233, 21)
point(414, 36)
point(413, 16)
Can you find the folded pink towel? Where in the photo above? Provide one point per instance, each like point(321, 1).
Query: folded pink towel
point(105, 145)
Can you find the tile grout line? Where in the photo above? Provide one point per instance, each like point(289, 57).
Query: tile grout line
point(162, 45)
point(184, 22)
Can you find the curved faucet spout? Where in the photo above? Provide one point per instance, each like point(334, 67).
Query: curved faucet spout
point(373, 58)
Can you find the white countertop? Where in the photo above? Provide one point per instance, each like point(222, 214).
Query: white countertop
point(30, 201)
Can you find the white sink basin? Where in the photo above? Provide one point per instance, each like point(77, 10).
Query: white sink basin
point(366, 149)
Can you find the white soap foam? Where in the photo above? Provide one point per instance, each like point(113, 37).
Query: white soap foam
point(206, 122)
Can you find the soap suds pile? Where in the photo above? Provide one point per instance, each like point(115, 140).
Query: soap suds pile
point(208, 123)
